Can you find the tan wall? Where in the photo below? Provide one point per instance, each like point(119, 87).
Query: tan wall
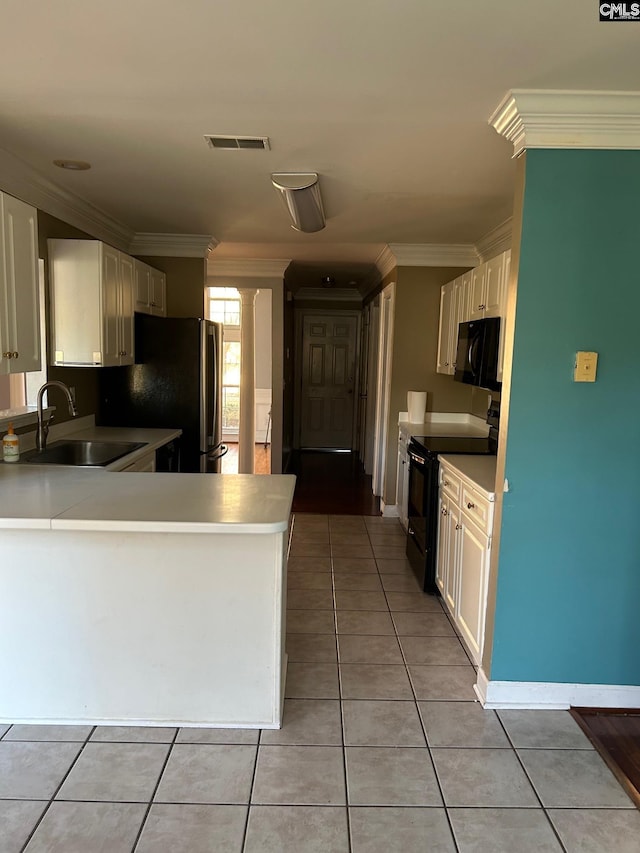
point(185, 284)
point(415, 345)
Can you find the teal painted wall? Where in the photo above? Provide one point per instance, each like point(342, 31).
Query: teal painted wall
point(568, 594)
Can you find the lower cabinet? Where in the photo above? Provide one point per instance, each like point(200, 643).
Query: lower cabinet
point(145, 465)
point(464, 547)
point(402, 481)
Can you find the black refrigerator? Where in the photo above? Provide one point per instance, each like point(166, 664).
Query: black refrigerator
point(176, 382)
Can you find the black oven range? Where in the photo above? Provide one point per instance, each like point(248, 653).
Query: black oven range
point(422, 533)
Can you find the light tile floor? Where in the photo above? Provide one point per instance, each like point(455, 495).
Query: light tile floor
point(383, 746)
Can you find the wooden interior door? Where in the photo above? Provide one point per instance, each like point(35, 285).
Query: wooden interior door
point(328, 380)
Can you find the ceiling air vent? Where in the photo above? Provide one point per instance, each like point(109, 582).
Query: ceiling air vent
point(238, 143)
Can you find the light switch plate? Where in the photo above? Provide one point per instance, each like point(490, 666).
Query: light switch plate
point(585, 367)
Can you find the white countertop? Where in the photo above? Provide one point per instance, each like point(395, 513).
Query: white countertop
point(481, 470)
point(61, 498)
point(443, 423)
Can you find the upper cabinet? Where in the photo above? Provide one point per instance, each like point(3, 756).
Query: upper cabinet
point(19, 288)
point(479, 293)
point(150, 290)
point(91, 304)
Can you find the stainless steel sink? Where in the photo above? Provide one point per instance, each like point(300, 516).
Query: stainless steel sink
point(88, 454)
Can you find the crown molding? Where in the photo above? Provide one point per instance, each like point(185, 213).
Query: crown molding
point(172, 245)
point(566, 118)
point(386, 261)
point(333, 294)
point(247, 267)
point(23, 181)
point(496, 241)
point(426, 255)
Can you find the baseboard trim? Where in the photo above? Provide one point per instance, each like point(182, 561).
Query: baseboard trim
point(389, 510)
point(553, 695)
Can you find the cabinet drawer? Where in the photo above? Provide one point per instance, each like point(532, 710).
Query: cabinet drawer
point(476, 507)
point(450, 483)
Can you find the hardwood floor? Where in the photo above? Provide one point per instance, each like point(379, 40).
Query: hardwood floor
point(616, 736)
point(261, 459)
point(332, 483)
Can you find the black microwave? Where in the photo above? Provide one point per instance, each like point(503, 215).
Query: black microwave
point(477, 353)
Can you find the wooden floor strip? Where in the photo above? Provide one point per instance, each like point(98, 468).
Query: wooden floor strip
point(615, 733)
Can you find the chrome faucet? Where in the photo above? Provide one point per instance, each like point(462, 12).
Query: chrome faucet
point(43, 427)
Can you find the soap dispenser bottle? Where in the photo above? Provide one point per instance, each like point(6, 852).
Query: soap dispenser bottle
point(11, 446)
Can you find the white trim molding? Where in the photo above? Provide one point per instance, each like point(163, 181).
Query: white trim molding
point(495, 242)
point(246, 267)
point(385, 262)
point(434, 254)
point(172, 245)
point(539, 695)
point(566, 118)
point(23, 181)
point(333, 294)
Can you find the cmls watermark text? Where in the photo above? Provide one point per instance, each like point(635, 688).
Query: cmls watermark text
point(619, 11)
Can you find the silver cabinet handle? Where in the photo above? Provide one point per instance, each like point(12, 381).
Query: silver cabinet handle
point(445, 482)
point(481, 307)
point(7, 355)
point(471, 506)
point(16, 355)
point(443, 511)
point(458, 527)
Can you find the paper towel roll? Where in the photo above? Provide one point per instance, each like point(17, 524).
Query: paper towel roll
point(416, 406)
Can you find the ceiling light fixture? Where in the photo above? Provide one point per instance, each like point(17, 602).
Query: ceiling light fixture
point(300, 192)
point(72, 165)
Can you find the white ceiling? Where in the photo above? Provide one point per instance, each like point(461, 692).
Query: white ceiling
point(387, 100)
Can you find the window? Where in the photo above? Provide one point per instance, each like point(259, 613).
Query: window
point(223, 306)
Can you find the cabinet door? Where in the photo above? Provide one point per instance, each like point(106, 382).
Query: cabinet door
point(125, 308)
point(473, 561)
point(158, 299)
point(143, 287)
point(19, 288)
point(442, 554)
point(493, 279)
point(451, 588)
point(111, 298)
point(444, 334)
point(476, 293)
point(459, 308)
point(465, 302)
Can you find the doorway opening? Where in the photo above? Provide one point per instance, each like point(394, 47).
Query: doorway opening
point(224, 305)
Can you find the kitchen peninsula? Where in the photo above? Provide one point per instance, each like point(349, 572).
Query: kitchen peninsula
point(142, 599)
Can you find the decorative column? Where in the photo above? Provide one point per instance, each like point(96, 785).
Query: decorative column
point(247, 430)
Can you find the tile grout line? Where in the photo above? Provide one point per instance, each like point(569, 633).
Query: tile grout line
point(62, 781)
point(155, 789)
point(342, 738)
point(530, 781)
point(426, 740)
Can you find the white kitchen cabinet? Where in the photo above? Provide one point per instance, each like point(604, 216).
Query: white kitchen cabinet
point(19, 287)
point(158, 293)
point(443, 364)
point(473, 567)
point(465, 523)
point(150, 290)
point(91, 304)
point(479, 293)
point(402, 480)
point(147, 464)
